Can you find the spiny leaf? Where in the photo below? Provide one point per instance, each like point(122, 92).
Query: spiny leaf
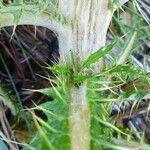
point(109, 125)
point(45, 91)
point(128, 69)
point(17, 16)
point(127, 50)
point(97, 55)
point(81, 77)
point(44, 124)
point(60, 139)
point(59, 69)
point(45, 143)
point(48, 112)
point(59, 94)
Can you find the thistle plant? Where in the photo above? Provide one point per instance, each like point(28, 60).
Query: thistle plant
point(83, 91)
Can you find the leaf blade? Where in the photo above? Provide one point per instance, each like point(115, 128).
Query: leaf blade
point(93, 58)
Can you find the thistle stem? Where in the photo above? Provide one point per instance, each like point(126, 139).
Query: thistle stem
point(79, 118)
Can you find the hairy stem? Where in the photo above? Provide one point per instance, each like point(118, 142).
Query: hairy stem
point(79, 118)
point(89, 21)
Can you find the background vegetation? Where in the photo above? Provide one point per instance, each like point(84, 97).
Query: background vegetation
point(35, 87)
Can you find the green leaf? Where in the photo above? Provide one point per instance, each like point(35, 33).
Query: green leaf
point(18, 1)
point(45, 91)
point(53, 134)
point(123, 69)
point(109, 125)
point(93, 58)
point(59, 69)
point(81, 77)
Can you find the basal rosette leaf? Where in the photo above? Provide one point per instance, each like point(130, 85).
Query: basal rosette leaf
point(55, 129)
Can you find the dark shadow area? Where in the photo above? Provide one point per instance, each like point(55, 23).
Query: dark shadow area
point(23, 61)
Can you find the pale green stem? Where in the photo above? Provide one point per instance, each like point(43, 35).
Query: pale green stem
point(79, 118)
point(126, 52)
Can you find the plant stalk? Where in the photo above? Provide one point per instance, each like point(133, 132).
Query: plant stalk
point(79, 118)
